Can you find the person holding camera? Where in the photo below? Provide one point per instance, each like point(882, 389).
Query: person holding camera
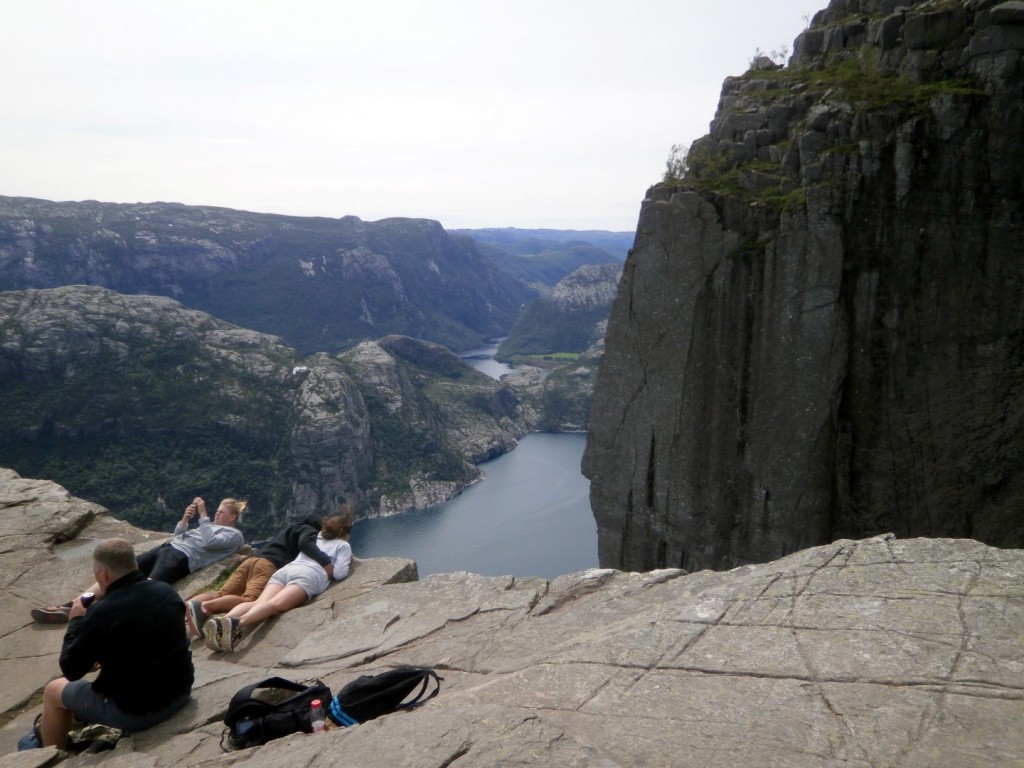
point(135, 637)
point(189, 550)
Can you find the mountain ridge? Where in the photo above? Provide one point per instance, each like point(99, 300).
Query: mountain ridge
point(322, 284)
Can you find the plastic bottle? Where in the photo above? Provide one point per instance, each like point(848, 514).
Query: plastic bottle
point(316, 717)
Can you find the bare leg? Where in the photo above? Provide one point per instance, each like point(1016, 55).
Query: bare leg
point(221, 604)
point(240, 609)
point(56, 717)
point(283, 600)
point(268, 592)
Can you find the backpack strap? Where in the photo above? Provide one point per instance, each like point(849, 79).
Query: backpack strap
point(428, 674)
point(343, 718)
point(340, 716)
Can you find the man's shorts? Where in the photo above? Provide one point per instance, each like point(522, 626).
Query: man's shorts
point(91, 707)
point(248, 579)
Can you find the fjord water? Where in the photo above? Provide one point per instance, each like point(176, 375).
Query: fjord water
point(530, 516)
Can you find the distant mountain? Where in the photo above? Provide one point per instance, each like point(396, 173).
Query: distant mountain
point(320, 284)
point(542, 257)
point(139, 403)
point(571, 319)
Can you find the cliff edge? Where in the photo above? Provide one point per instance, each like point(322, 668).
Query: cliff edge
point(858, 653)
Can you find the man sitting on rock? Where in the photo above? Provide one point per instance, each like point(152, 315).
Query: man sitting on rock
point(188, 551)
point(248, 580)
point(136, 639)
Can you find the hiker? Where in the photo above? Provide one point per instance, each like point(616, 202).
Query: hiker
point(136, 638)
point(188, 551)
point(247, 581)
point(297, 582)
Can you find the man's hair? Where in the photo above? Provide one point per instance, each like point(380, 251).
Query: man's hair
point(339, 525)
point(116, 555)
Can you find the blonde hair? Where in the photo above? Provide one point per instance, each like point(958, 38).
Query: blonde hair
point(235, 506)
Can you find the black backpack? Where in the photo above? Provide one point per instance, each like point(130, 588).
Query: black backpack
point(371, 696)
point(270, 709)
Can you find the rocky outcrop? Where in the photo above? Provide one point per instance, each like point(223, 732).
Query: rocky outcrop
point(556, 345)
point(556, 398)
point(321, 284)
point(818, 333)
point(571, 319)
point(435, 418)
point(860, 653)
point(140, 403)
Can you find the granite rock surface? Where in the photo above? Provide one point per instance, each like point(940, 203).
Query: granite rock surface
point(858, 653)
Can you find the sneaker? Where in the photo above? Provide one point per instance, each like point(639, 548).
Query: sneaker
point(32, 739)
point(194, 618)
point(213, 632)
point(55, 614)
point(232, 635)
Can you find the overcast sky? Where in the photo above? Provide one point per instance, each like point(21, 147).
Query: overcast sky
point(477, 113)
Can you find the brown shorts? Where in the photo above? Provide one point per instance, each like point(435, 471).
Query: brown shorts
point(248, 579)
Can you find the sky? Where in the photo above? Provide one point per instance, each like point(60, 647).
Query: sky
point(476, 113)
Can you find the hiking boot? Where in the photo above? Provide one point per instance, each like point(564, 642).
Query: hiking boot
point(194, 618)
point(232, 633)
point(213, 632)
point(55, 614)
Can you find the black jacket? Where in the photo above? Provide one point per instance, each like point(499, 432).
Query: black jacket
point(300, 537)
point(137, 634)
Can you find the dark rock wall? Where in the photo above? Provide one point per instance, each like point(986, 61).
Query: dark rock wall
point(819, 331)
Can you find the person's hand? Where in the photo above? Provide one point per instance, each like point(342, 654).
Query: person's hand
point(190, 512)
point(200, 505)
point(330, 570)
point(77, 609)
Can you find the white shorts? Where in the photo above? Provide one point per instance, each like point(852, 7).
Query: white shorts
point(312, 579)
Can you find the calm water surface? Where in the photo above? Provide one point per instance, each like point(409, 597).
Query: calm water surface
point(483, 360)
point(530, 516)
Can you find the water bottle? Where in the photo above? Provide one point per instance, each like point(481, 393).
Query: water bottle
point(316, 717)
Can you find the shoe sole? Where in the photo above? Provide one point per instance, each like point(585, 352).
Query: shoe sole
point(195, 626)
point(213, 632)
point(49, 616)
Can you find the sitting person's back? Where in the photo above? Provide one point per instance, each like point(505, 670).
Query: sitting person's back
point(136, 637)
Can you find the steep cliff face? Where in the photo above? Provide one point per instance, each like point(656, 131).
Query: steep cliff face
point(321, 284)
point(138, 403)
point(820, 330)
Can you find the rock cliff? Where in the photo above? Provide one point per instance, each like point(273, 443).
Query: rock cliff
point(321, 284)
point(571, 319)
point(139, 403)
point(819, 331)
point(859, 653)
